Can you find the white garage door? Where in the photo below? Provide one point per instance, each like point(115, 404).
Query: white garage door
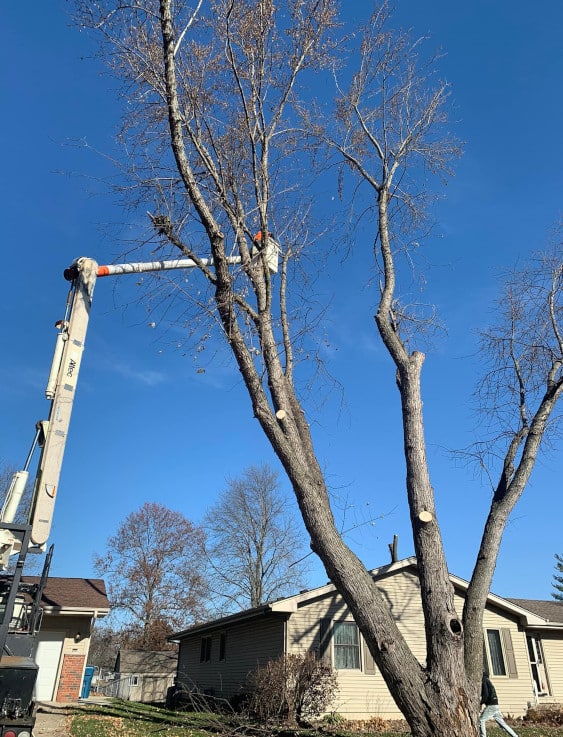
point(47, 656)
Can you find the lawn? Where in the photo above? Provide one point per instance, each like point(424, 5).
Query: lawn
point(129, 719)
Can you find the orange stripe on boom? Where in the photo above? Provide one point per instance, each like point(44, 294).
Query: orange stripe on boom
point(103, 270)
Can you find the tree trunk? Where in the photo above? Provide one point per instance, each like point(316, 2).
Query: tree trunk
point(222, 153)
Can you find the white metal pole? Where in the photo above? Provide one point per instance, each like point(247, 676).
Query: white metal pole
point(143, 266)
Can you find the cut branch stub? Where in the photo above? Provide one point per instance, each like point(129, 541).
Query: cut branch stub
point(425, 517)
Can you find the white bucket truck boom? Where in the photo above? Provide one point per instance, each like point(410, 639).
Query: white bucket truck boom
point(18, 671)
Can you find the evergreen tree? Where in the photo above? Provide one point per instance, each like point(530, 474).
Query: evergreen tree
point(558, 580)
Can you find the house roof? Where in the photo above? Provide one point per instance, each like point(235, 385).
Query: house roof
point(528, 615)
point(552, 611)
point(281, 607)
point(73, 595)
point(143, 661)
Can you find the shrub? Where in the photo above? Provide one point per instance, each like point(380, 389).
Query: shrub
point(334, 719)
point(292, 688)
point(239, 702)
point(547, 715)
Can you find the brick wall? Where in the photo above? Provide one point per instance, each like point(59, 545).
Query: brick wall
point(70, 682)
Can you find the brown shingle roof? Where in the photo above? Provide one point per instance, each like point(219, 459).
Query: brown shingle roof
point(73, 593)
point(147, 661)
point(550, 610)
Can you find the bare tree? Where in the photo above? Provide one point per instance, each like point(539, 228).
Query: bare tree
point(388, 119)
point(6, 473)
point(253, 543)
point(519, 393)
point(221, 124)
point(154, 573)
point(112, 636)
point(104, 645)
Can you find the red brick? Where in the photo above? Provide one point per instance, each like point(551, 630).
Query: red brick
point(70, 682)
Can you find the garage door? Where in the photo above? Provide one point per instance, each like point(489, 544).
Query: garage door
point(47, 656)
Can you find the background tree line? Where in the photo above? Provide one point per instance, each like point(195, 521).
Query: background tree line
point(164, 572)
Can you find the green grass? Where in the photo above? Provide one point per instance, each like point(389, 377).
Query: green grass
point(129, 719)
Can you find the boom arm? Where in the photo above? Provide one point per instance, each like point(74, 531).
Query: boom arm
point(63, 378)
point(61, 389)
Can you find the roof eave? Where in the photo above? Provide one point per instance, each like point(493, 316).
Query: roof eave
point(247, 614)
point(62, 611)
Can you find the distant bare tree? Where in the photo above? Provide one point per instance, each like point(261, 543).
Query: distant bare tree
point(224, 131)
point(109, 637)
point(253, 544)
point(6, 473)
point(153, 569)
point(104, 646)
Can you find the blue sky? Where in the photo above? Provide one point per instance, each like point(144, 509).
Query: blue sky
point(147, 427)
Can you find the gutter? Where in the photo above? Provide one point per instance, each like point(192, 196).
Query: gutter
point(249, 614)
point(76, 611)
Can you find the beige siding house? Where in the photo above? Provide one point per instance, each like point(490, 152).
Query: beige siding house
point(523, 643)
point(143, 675)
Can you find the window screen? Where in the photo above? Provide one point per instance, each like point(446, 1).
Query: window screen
point(498, 667)
point(346, 646)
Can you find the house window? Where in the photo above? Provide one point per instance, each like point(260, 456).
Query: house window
point(346, 646)
point(134, 680)
point(222, 645)
point(205, 651)
point(496, 656)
